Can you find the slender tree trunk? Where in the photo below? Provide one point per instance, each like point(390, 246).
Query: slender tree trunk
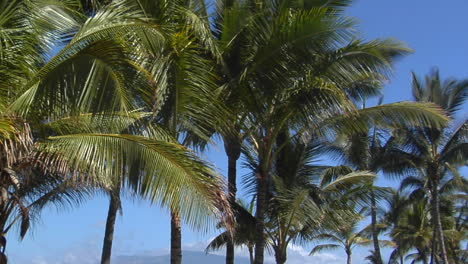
point(438, 222)
point(280, 256)
point(114, 206)
point(375, 233)
point(262, 203)
point(232, 148)
point(251, 254)
point(176, 238)
point(424, 260)
point(349, 256)
point(434, 245)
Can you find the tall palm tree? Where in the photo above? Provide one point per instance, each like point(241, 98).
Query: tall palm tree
point(304, 197)
point(242, 235)
point(96, 63)
point(267, 46)
point(449, 190)
point(413, 231)
point(374, 150)
point(259, 40)
point(181, 70)
point(438, 152)
point(346, 237)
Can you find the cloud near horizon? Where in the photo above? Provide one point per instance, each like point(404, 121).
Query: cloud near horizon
point(88, 252)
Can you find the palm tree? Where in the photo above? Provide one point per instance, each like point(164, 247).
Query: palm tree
point(95, 63)
point(396, 207)
point(346, 237)
point(373, 150)
point(242, 235)
point(304, 197)
point(28, 184)
point(267, 46)
point(438, 152)
point(257, 48)
point(449, 191)
point(181, 70)
point(413, 231)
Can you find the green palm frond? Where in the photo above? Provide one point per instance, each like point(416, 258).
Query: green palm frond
point(455, 150)
point(166, 173)
point(134, 123)
point(96, 56)
point(218, 242)
point(323, 247)
point(391, 115)
point(449, 94)
point(350, 178)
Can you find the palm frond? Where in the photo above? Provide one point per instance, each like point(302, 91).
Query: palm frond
point(166, 173)
point(323, 247)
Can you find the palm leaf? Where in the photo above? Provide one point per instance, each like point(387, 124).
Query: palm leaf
point(323, 247)
point(166, 173)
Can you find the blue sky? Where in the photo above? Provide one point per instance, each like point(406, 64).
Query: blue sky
point(435, 29)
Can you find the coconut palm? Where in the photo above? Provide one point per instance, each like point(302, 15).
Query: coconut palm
point(302, 200)
point(259, 76)
point(267, 46)
point(438, 152)
point(96, 63)
point(181, 70)
point(413, 231)
point(244, 232)
point(304, 197)
point(449, 190)
point(29, 183)
point(347, 236)
point(374, 150)
point(396, 207)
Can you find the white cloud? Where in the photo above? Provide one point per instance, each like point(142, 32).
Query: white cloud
point(88, 252)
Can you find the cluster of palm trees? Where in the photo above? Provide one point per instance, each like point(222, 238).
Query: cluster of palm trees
point(120, 96)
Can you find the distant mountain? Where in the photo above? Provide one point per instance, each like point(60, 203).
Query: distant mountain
point(190, 257)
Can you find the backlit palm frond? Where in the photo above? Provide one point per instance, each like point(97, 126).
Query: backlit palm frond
point(349, 179)
point(292, 37)
point(31, 32)
point(389, 115)
point(344, 64)
point(166, 173)
point(93, 65)
point(449, 94)
point(324, 247)
point(134, 122)
point(455, 150)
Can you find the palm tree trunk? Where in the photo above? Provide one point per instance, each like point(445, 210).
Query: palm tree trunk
point(262, 189)
point(375, 233)
point(349, 255)
point(114, 206)
point(232, 148)
point(251, 254)
point(280, 256)
point(424, 260)
point(176, 238)
point(438, 222)
point(433, 246)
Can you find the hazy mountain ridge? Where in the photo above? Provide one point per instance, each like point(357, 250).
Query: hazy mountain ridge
point(189, 257)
